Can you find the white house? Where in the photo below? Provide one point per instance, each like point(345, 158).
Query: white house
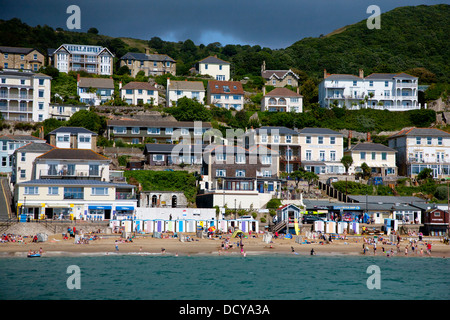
point(383, 91)
point(378, 157)
point(215, 67)
point(73, 137)
point(24, 95)
point(190, 89)
point(95, 91)
point(420, 148)
point(9, 144)
point(79, 57)
point(138, 93)
point(225, 94)
point(282, 100)
point(321, 150)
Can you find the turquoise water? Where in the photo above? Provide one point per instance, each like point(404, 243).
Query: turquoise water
point(263, 277)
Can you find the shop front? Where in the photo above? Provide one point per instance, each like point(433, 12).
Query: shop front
point(347, 213)
point(98, 212)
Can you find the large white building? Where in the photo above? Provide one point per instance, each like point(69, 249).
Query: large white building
point(78, 57)
point(24, 95)
point(383, 91)
point(282, 100)
point(215, 67)
point(190, 89)
point(420, 148)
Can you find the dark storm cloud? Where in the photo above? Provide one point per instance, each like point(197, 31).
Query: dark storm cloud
point(271, 23)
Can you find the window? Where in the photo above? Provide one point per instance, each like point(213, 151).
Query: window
point(206, 66)
point(86, 139)
point(6, 65)
point(135, 141)
point(236, 97)
point(220, 67)
point(100, 191)
point(240, 173)
point(354, 83)
point(41, 93)
point(370, 83)
point(362, 155)
point(386, 83)
point(276, 138)
point(332, 155)
point(322, 155)
point(264, 138)
point(418, 140)
point(320, 140)
point(374, 155)
point(139, 91)
point(383, 156)
point(308, 139)
point(41, 82)
point(31, 190)
point(128, 91)
point(332, 140)
point(153, 131)
point(64, 138)
point(266, 159)
point(169, 130)
point(6, 56)
point(240, 158)
point(267, 173)
point(41, 106)
point(22, 156)
point(221, 173)
point(135, 130)
point(150, 92)
point(308, 155)
point(120, 130)
point(440, 141)
point(221, 156)
point(288, 139)
point(53, 190)
point(184, 131)
point(429, 140)
point(73, 193)
point(23, 174)
point(158, 157)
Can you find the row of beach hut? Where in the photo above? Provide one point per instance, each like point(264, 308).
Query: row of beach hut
point(188, 225)
point(339, 227)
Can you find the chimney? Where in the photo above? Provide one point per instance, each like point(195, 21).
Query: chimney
point(147, 50)
point(361, 73)
point(263, 67)
point(298, 90)
point(78, 78)
point(120, 85)
point(368, 137)
point(324, 73)
point(349, 139)
point(264, 90)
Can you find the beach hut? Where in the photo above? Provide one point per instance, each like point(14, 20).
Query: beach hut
point(319, 226)
point(170, 226)
point(243, 225)
point(180, 225)
point(126, 225)
point(354, 227)
point(148, 226)
point(191, 226)
point(232, 225)
point(253, 226)
point(330, 227)
point(222, 225)
point(342, 227)
point(390, 225)
point(159, 226)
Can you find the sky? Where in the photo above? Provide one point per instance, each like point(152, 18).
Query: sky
point(268, 23)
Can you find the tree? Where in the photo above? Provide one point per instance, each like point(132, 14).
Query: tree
point(89, 120)
point(425, 174)
point(190, 110)
point(347, 161)
point(365, 170)
point(93, 30)
point(310, 177)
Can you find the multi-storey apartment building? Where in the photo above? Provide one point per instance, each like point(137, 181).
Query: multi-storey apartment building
point(24, 95)
point(384, 91)
point(73, 183)
point(21, 58)
point(139, 93)
point(379, 158)
point(145, 131)
point(9, 144)
point(78, 57)
point(150, 64)
point(189, 89)
point(321, 150)
point(282, 100)
point(420, 148)
point(225, 94)
point(237, 177)
point(217, 68)
point(282, 140)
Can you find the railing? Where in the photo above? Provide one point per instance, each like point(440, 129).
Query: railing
point(125, 196)
point(68, 173)
point(16, 96)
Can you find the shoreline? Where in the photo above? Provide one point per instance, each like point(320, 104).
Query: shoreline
point(149, 246)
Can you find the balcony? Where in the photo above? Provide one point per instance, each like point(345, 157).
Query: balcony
point(428, 160)
point(406, 85)
point(70, 174)
point(125, 196)
point(16, 96)
point(290, 159)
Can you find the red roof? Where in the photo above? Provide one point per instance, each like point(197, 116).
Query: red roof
point(225, 87)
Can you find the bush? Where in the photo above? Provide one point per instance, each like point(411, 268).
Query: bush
point(273, 203)
point(441, 193)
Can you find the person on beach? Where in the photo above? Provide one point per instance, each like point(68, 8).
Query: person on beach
point(375, 248)
point(313, 253)
point(429, 248)
point(117, 246)
point(421, 252)
point(406, 250)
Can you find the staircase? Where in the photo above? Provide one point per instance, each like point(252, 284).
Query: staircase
point(279, 226)
point(5, 200)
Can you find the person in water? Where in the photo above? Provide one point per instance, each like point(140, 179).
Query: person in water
point(313, 252)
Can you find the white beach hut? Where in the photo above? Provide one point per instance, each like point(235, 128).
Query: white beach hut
point(191, 226)
point(148, 226)
point(342, 227)
point(159, 225)
point(330, 227)
point(354, 227)
point(222, 225)
point(170, 225)
point(319, 226)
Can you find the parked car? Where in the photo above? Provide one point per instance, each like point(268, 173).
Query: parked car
point(331, 180)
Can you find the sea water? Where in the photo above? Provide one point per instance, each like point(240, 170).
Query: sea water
point(204, 277)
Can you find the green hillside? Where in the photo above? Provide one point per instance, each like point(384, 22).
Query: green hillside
point(410, 37)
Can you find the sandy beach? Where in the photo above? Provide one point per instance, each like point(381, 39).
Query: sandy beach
point(146, 244)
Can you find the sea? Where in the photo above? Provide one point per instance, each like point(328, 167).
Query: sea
point(214, 277)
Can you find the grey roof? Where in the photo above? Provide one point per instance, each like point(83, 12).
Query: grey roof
point(21, 138)
point(153, 124)
point(75, 182)
point(393, 200)
point(146, 57)
point(279, 130)
point(389, 76)
point(18, 50)
point(73, 130)
point(169, 148)
point(213, 60)
point(99, 83)
point(423, 132)
point(369, 146)
point(73, 154)
point(35, 147)
point(24, 73)
point(280, 74)
point(343, 77)
point(318, 131)
point(187, 85)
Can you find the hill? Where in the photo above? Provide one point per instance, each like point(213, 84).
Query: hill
point(410, 37)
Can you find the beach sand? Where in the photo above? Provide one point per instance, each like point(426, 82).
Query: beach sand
point(57, 246)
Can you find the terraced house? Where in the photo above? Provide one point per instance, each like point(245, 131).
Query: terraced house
point(150, 64)
point(421, 148)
